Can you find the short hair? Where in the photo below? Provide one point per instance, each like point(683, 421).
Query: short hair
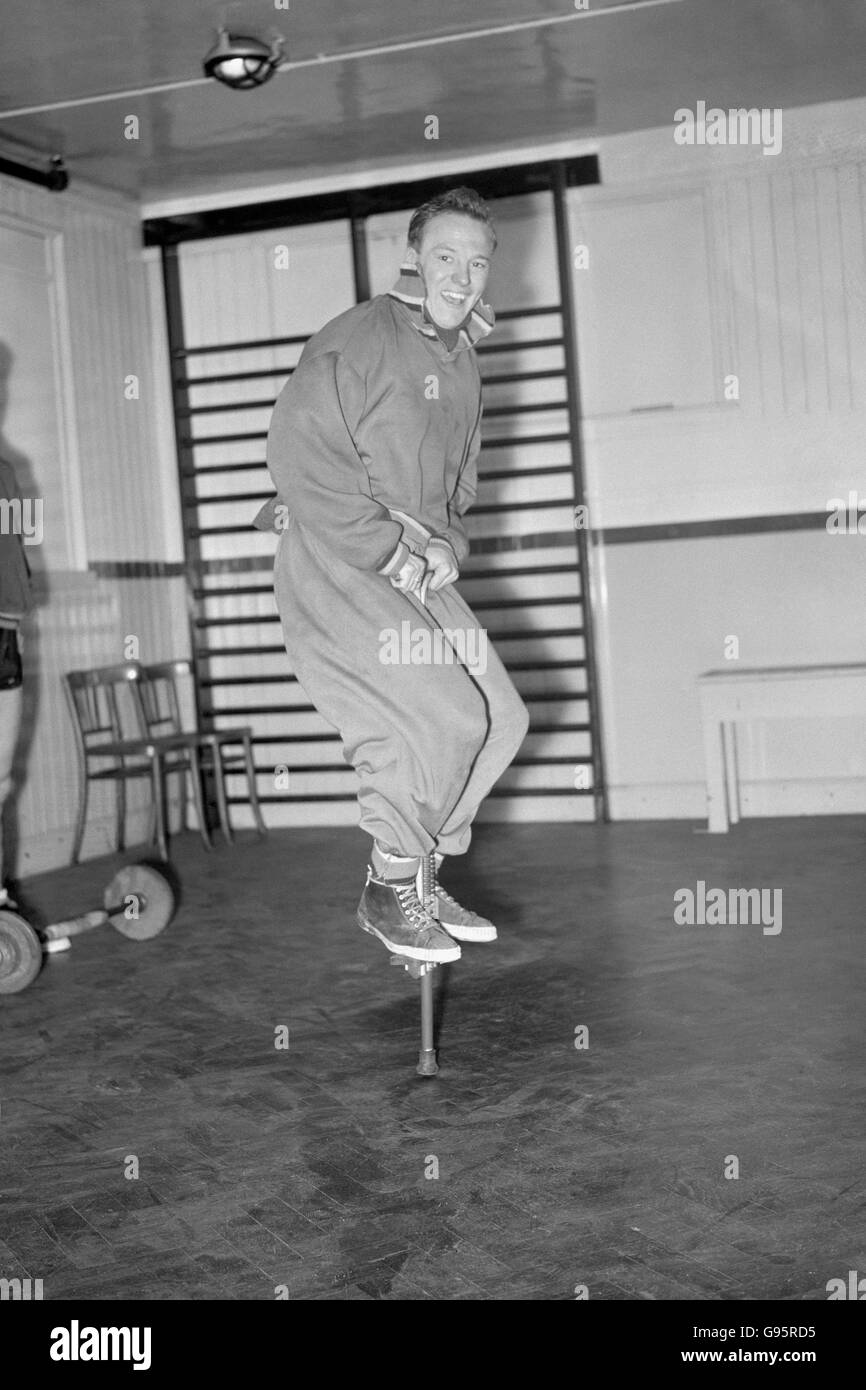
point(464, 200)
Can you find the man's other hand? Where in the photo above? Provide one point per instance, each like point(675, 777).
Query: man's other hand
point(443, 566)
point(410, 576)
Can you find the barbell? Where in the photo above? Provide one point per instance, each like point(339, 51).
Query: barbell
point(138, 902)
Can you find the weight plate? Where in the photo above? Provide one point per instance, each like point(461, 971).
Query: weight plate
point(20, 953)
point(154, 898)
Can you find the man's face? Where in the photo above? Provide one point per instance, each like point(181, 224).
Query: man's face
point(454, 261)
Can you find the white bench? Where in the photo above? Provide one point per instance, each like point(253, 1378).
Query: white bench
point(770, 692)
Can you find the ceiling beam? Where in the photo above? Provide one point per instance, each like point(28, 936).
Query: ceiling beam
point(509, 182)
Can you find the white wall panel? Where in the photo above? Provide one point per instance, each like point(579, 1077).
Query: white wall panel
point(643, 303)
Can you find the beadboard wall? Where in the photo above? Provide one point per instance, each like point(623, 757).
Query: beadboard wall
point(81, 428)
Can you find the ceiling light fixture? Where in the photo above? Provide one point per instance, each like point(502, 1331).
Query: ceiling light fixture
point(243, 62)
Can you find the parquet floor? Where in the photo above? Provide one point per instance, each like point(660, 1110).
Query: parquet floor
point(157, 1143)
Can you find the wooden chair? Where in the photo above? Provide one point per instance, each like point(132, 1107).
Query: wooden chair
point(113, 744)
point(160, 696)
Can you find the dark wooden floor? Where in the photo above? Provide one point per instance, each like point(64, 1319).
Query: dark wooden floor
point(557, 1166)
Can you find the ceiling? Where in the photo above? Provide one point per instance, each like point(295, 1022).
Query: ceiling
point(587, 75)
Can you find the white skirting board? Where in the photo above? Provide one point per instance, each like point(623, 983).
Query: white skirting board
point(496, 809)
point(687, 801)
point(830, 796)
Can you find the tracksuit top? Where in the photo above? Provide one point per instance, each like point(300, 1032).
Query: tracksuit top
point(378, 417)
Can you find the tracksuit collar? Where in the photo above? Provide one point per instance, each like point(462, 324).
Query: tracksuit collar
point(409, 290)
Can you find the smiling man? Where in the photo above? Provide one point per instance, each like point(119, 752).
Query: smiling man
point(373, 448)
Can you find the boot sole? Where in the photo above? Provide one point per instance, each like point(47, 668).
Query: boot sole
point(441, 956)
point(478, 935)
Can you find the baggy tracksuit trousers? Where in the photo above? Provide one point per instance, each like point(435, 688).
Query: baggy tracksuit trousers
point(428, 740)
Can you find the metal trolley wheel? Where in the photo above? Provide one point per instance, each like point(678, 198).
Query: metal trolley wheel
point(20, 953)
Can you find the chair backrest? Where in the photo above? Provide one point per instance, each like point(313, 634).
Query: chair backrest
point(159, 696)
point(105, 704)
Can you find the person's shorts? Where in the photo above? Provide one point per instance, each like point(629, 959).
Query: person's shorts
point(10, 659)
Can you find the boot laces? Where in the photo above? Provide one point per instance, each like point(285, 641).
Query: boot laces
point(413, 907)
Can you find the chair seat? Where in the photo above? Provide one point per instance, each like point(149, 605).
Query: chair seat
point(224, 735)
point(205, 737)
point(129, 771)
point(175, 740)
point(144, 747)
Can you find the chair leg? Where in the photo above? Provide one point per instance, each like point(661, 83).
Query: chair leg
point(251, 783)
point(198, 797)
point(158, 785)
point(120, 815)
point(81, 817)
point(220, 787)
point(184, 805)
